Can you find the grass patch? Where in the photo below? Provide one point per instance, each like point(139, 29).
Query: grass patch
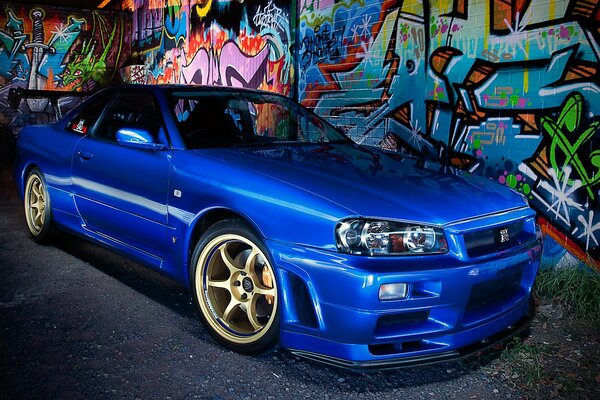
point(525, 361)
point(576, 289)
point(560, 358)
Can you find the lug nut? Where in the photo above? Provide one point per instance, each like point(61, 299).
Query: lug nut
point(244, 296)
point(236, 283)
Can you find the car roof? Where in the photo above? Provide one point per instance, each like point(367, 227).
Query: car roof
point(169, 88)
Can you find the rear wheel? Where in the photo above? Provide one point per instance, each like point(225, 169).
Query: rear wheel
point(235, 288)
point(38, 213)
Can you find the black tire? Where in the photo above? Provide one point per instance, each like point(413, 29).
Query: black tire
point(38, 210)
point(235, 288)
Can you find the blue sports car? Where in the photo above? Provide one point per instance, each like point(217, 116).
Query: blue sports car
point(283, 228)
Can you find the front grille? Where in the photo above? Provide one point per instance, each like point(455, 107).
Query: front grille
point(407, 323)
point(504, 286)
point(496, 239)
point(414, 317)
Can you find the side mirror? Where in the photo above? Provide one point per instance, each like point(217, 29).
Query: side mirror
point(137, 138)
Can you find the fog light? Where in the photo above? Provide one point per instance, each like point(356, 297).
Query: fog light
point(393, 291)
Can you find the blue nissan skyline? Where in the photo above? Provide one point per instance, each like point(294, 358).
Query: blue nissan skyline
point(286, 231)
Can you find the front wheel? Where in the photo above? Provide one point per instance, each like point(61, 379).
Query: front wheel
point(38, 213)
point(235, 288)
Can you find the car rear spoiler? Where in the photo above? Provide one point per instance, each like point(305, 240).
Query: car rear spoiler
point(15, 95)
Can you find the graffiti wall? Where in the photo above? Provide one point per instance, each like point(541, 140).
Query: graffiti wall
point(231, 43)
point(507, 89)
point(58, 49)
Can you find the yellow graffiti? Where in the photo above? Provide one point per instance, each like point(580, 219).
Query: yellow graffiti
point(415, 7)
point(203, 7)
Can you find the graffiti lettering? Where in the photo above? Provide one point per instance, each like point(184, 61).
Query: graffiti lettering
point(200, 44)
point(322, 46)
point(206, 69)
point(271, 17)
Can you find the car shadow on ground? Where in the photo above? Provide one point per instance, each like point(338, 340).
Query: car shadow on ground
point(143, 280)
point(176, 298)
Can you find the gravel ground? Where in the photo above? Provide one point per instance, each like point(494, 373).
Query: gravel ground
point(79, 322)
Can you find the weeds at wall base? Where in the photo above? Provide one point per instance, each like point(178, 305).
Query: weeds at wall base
point(559, 359)
point(576, 289)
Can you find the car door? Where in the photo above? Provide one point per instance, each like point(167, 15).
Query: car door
point(121, 191)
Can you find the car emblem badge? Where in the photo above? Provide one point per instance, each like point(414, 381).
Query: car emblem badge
point(504, 235)
point(247, 284)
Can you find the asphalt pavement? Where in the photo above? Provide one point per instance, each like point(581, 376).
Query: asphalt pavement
point(79, 322)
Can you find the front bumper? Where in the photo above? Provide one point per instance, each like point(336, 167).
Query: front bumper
point(429, 358)
point(331, 310)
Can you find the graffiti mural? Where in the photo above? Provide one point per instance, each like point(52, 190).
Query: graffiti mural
point(234, 43)
point(49, 48)
point(508, 90)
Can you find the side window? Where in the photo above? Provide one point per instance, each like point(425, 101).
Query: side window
point(84, 120)
point(134, 110)
point(210, 122)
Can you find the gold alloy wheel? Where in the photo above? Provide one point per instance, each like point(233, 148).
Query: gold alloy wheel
point(35, 204)
point(236, 286)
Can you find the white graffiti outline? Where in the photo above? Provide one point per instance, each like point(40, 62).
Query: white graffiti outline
point(415, 137)
point(270, 17)
point(61, 32)
point(519, 27)
point(588, 229)
point(363, 26)
point(561, 192)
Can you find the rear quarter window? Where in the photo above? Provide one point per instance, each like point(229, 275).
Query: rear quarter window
point(85, 120)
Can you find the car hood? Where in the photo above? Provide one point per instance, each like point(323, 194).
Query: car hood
point(375, 183)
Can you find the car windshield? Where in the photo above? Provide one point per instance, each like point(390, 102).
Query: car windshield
point(213, 119)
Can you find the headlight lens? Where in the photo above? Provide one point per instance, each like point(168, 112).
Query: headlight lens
point(378, 237)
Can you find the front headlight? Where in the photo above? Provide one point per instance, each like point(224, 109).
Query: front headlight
point(377, 237)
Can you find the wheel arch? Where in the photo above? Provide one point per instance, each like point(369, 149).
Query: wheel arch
point(208, 218)
point(23, 174)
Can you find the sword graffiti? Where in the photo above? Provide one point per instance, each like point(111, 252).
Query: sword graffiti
point(39, 48)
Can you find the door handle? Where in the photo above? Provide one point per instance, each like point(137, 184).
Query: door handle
point(84, 155)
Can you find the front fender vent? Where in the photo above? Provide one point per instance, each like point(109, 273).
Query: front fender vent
point(304, 307)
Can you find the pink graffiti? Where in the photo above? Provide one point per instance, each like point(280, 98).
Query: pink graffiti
point(232, 67)
point(316, 4)
point(147, 23)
